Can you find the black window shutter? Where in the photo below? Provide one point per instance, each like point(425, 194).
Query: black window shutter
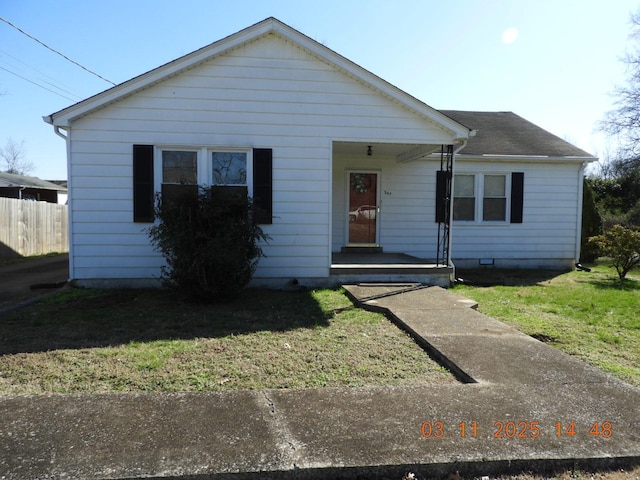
point(143, 191)
point(443, 190)
point(517, 196)
point(262, 185)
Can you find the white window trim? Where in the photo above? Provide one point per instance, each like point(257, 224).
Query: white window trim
point(479, 198)
point(204, 163)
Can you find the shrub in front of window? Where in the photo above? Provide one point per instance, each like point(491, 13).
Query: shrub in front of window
point(209, 240)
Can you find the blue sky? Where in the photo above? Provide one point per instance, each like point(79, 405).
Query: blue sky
point(554, 62)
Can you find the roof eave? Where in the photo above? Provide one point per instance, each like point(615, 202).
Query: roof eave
point(64, 117)
point(459, 131)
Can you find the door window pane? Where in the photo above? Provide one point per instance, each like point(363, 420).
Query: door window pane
point(363, 208)
point(229, 168)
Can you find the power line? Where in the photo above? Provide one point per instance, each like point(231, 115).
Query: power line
point(37, 84)
point(56, 51)
point(43, 76)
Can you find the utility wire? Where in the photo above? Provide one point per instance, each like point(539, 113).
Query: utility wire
point(43, 75)
point(56, 51)
point(30, 69)
point(37, 84)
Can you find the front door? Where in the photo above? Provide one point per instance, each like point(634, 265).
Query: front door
point(363, 208)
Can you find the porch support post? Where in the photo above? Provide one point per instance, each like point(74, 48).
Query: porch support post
point(444, 205)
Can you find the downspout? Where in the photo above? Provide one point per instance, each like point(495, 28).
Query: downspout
point(579, 219)
point(57, 130)
point(453, 172)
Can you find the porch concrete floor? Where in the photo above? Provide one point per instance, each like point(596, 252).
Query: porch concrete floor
point(380, 259)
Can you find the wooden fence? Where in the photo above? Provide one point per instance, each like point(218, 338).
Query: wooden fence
point(32, 228)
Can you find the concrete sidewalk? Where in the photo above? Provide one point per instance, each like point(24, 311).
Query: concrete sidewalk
point(517, 411)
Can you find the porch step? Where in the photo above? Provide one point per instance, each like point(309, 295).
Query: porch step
point(361, 250)
point(387, 267)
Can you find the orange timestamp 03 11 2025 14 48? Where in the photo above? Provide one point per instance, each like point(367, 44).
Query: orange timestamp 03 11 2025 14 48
point(511, 429)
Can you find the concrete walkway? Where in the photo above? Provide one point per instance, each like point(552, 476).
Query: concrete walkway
point(520, 409)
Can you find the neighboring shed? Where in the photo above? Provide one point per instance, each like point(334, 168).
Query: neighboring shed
point(352, 175)
point(29, 188)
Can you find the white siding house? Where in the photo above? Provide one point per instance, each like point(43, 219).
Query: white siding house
point(338, 159)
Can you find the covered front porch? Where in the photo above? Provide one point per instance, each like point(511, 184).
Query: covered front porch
point(385, 224)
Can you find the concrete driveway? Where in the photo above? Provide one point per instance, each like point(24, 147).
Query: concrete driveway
point(44, 273)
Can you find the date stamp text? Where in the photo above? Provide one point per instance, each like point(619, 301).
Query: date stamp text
point(510, 429)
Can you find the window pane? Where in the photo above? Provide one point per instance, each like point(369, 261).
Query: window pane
point(229, 168)
point(494, 209)
point(464, 209)
point(494, 185)
point(179, 167)
point(464, 186)
point(183, 194)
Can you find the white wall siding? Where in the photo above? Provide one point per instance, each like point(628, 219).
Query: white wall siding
point(547, 235)
point(267, 94)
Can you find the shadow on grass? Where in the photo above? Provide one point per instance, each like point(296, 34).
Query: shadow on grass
point(614, 283)
point(491, 277)
point(79, 318)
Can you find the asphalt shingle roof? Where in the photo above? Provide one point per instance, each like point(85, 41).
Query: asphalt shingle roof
point(505, 133)
point(11, 180)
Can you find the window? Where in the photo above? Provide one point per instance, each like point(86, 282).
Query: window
point(179, 175)
point(178, 172)
point(480, 197)
point(229, 168)
point(494, 202)
point(464, 200)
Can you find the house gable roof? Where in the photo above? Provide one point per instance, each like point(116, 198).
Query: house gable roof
point(63, 118)
point(507, 134)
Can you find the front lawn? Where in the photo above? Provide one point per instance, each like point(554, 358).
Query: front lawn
point(591, 315)
point(90, 341)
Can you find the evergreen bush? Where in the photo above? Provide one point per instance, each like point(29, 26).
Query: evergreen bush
point(209, 240)
point(591, 225)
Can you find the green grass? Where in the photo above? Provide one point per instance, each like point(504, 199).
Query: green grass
point(591, 315)
point(91, 341)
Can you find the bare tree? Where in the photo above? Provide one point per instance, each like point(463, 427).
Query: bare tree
point(13, 156)
point(624, 121)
